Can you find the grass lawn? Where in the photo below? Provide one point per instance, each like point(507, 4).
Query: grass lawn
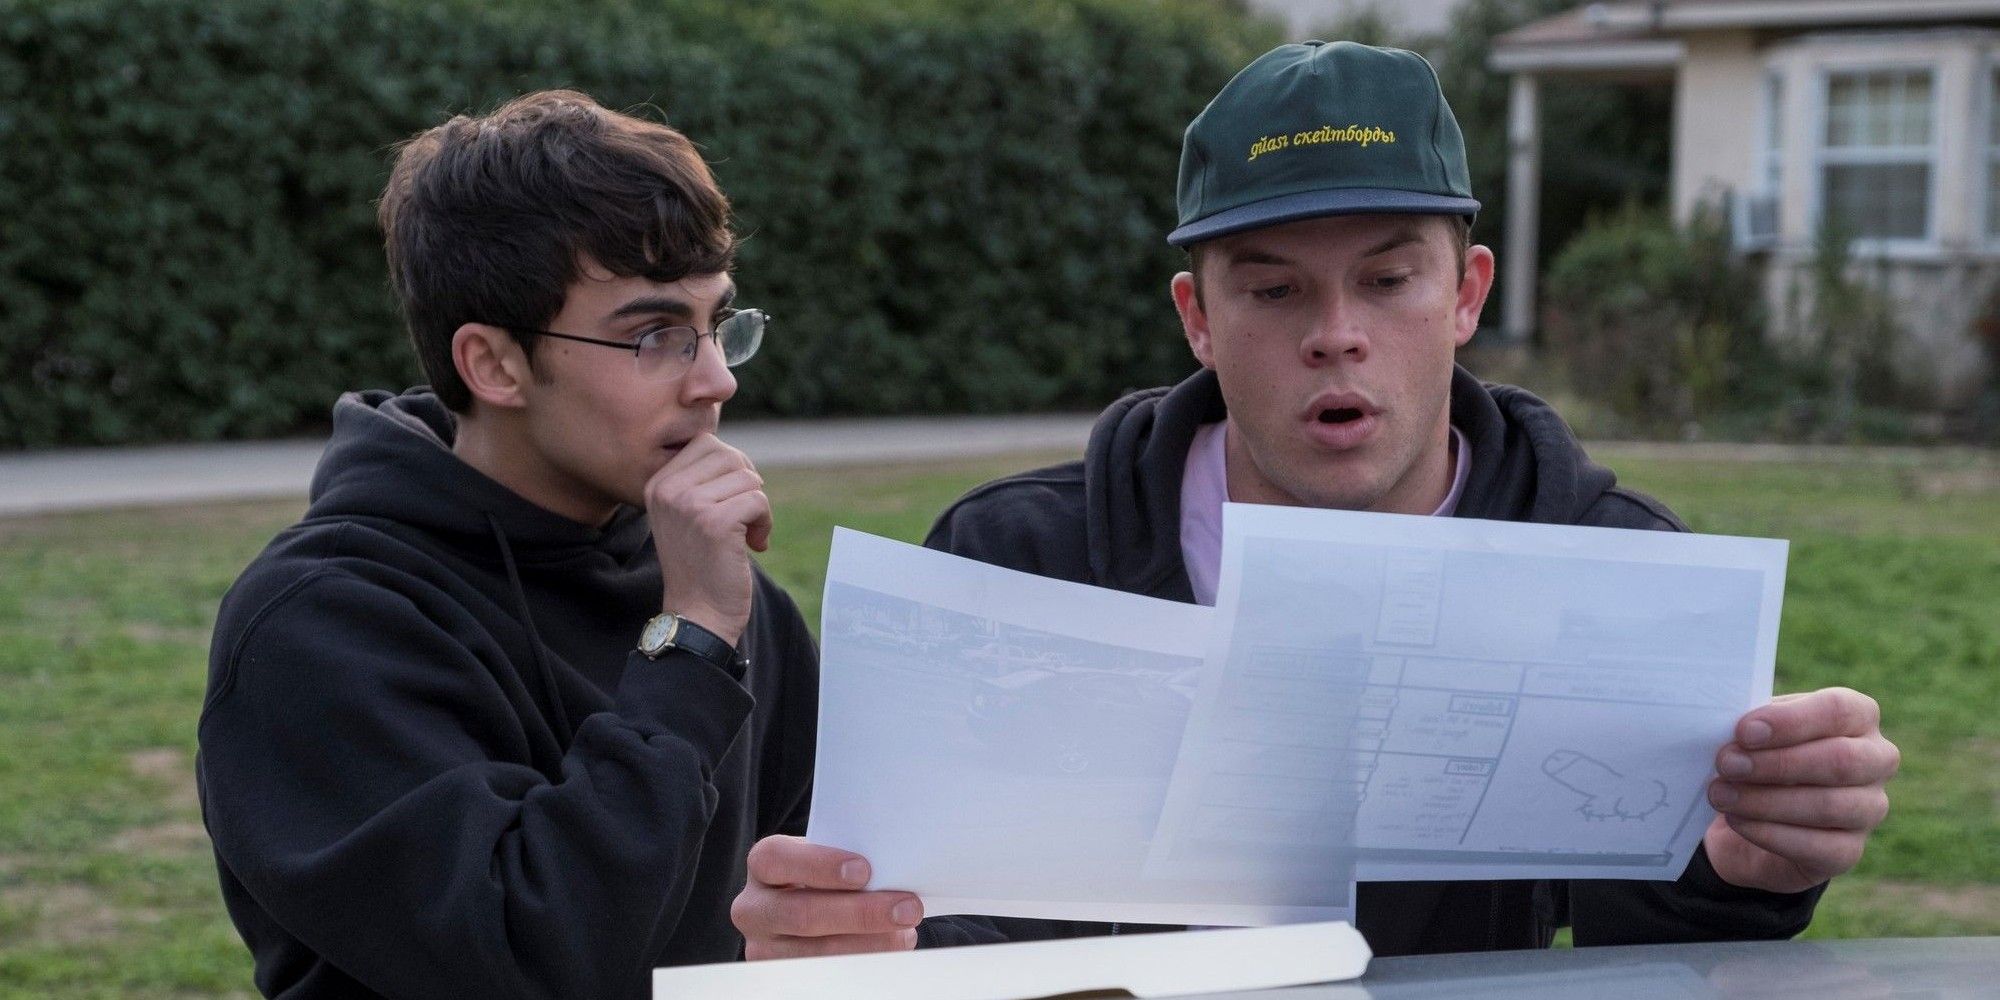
point(107, 889)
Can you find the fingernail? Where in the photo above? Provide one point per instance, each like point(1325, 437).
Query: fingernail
point(854, 872)
point(1734, 764)
point(1722, 795)
point(1756, 733)
point(906, 913)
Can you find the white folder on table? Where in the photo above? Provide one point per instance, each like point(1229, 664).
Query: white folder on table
point(1145, 965)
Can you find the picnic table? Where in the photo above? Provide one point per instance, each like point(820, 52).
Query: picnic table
point(1930, 968)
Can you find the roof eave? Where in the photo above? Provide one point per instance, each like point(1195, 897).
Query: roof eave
point(1623, 56)
point(1785, 13)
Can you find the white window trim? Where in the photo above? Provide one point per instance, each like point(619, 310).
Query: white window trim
point(1769, 182)
point(1985, 148)
point(1823, 156)
point(1771, 133)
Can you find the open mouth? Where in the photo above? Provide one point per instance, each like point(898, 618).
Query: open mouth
point(1339, 415)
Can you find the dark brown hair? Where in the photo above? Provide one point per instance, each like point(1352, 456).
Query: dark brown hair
point(1461, 236)
point(488, 219)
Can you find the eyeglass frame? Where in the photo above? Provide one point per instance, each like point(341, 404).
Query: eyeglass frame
point(633, 345)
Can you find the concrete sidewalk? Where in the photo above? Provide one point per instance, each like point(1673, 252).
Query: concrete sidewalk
point(83, 479)
point(41, 482)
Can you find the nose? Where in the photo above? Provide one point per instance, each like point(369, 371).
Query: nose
point(1337, 333)
point(708, 380)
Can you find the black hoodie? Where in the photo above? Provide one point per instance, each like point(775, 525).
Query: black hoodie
point(432, 763)
point(1113, 520)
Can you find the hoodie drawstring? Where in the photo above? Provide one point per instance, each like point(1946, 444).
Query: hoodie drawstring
point(558, 713)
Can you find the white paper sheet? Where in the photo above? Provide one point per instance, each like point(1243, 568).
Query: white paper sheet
point(1001, 743)
point(1145, 965)
point(1492, 699)
point(1375, 696)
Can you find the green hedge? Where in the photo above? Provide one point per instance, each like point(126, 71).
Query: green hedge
point(950, 204)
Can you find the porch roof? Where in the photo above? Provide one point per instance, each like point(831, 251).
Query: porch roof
point(1644, 36)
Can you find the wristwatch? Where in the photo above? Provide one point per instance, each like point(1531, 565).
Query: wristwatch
point(670, 631)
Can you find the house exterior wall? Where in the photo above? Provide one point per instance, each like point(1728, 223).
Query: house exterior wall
point(1941, 282)
point(1937, 306)
point(1716, 96)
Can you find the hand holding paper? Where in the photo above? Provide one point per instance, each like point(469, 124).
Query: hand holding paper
point(804, 899)
point(1801, 790)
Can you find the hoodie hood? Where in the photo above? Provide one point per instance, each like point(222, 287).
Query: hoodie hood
point(1526, 465)
point(390, 458)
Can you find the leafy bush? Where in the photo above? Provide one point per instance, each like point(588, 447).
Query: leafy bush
point(1982, 421)
point(1840, 327)
point(1661, 326)
point(1666, 331)
point(950, 205)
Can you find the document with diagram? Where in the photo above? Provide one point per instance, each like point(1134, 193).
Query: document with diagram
point(1374, 697)
point(1474, 699)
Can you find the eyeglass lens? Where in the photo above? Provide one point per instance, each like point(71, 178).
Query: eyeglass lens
point(669, 353)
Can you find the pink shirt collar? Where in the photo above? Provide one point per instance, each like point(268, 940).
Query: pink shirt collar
point(1205, 488)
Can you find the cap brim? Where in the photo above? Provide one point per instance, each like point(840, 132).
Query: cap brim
point(1315, 204)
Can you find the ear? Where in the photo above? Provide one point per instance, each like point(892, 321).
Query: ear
point(492, 365)
point(1194, 319)
point(1472, 292)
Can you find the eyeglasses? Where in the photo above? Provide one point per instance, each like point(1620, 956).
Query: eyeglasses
point(667, 352)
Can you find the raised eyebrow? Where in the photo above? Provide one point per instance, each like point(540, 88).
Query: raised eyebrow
point(1401, 239)
point(1249, 255)
point(652, 305)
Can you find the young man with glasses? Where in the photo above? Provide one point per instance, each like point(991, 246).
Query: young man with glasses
point(503, 713)
point(1324, 201)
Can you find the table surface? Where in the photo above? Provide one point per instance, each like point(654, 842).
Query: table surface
point(1930, 968)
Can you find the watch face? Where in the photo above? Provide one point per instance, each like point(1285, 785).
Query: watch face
point(658, 632)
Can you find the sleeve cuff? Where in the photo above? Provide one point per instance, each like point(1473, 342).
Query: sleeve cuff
point(683, 695)
point(1701, 879)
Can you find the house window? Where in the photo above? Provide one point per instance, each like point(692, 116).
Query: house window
point(1877, 164)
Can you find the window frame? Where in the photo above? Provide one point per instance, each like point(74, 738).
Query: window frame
point(1931, 155)
point(1768, 183)
point(1771, 135)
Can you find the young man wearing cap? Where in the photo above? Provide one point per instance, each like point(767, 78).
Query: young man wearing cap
point(1324, 204)
point(503, 714)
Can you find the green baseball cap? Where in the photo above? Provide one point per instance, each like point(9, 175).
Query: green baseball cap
point(1317, 128)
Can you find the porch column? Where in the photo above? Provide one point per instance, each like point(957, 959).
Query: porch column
point(1524, 207)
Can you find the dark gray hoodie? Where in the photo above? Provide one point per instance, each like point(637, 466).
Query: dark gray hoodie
point(1113, 520)
point(432, 763)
